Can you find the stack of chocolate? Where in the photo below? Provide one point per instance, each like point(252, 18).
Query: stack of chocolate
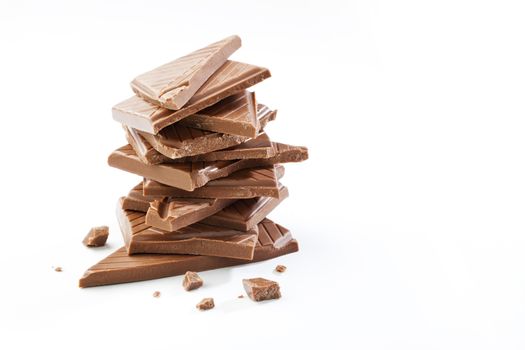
point(210, 172)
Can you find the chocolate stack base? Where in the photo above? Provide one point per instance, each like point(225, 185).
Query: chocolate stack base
point(211, 174)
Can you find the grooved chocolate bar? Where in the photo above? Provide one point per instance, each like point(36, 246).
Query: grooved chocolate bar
point(245, 214)
point(235, 115)
point(229, 79)
point(248, 183)
point(119, 267)
point(196, 239)
point(173, 84)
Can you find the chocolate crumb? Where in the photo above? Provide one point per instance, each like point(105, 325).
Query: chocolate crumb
point(192, 281)
point(96, 237)
point(206, 304)
point(259, 289)
point(156, 294)
point(280, 268)
point(240, 296)
point(58, 269)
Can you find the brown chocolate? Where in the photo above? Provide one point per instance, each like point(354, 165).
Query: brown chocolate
point(136, 200)
point(196, 239)
point(171, 214)
point(156, 294)
point(235, 115)
point(259, 289)
point(231, 78)
point(192, 281)
point(96, 237)
point(245, 214)
point(186, 176)
point(173, 84)
point(206, 304)
point(280, 268)
point(119, 267)
point(248, 183)
point(58, 269)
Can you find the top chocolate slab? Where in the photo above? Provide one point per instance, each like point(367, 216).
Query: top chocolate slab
point(235, 115)
point(231, 78)
point(173, 84)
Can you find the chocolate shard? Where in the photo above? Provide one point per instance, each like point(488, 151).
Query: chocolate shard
point(235, 115)
point(173, 84)
point(247, 183)
point(96, 237)
point(186, 176)
point(259, 147)
point(119, 267)
point(280, 268)
point(259, 289)
point(206, 304)
point(195, 239)
point(136, 200)
point(245, 214)
point(177, 142)
point(171, 214)
point(231, 78)
point(192, 281)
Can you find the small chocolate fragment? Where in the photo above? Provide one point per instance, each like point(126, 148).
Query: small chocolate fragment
point(240, 296)
point(58, 269)
point(280, 268)
point(206, 304)
point(259, 289)
point(192, 281)
point(96, 237)
point(156, 294)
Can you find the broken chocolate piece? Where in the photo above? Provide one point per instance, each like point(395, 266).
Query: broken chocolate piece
point(206, 304)
point(192, 281)
point(280, 268)
point(173, 84)
point(259, 289)
point(231, 78)
point(171, 214)
point(58, 269)
point(156, 294)
point(96, 237)
point(196, 239)
point(248, 183)
point(119, 267)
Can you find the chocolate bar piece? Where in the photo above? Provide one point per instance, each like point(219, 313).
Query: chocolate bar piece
point(186, 176)
point(178, 141)
point(248, 183)
point(173, 84)
point(245, 214)
point(235, 115)
point(195, 239)
point(96, 237)
point(136, 200)
point(229, 79)
point(119, 267)
point(192, 281)
point(259, 289)
point(171, 214)
point(259, 147)
point(206, 304)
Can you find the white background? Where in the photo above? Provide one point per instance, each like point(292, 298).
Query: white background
point(409, 212)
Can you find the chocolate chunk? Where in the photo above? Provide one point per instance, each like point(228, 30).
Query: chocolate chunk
point(206, 304)
point(240, 296)
point(156, 294)
point(231, 78)
point(58, 269)
point(280, 268)
point(96, 237)
point(259, 289)
point(173, 84)
point(191, 281)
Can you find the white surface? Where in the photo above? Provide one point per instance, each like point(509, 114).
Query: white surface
point(414, 240)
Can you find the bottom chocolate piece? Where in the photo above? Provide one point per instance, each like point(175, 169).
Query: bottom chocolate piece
point(259, 289)
point(120, 267)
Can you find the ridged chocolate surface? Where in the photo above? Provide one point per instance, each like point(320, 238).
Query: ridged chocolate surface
point(248, 183)
point(119, 267)
point(173, 84)
point(229, 79)
point(235, 115)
